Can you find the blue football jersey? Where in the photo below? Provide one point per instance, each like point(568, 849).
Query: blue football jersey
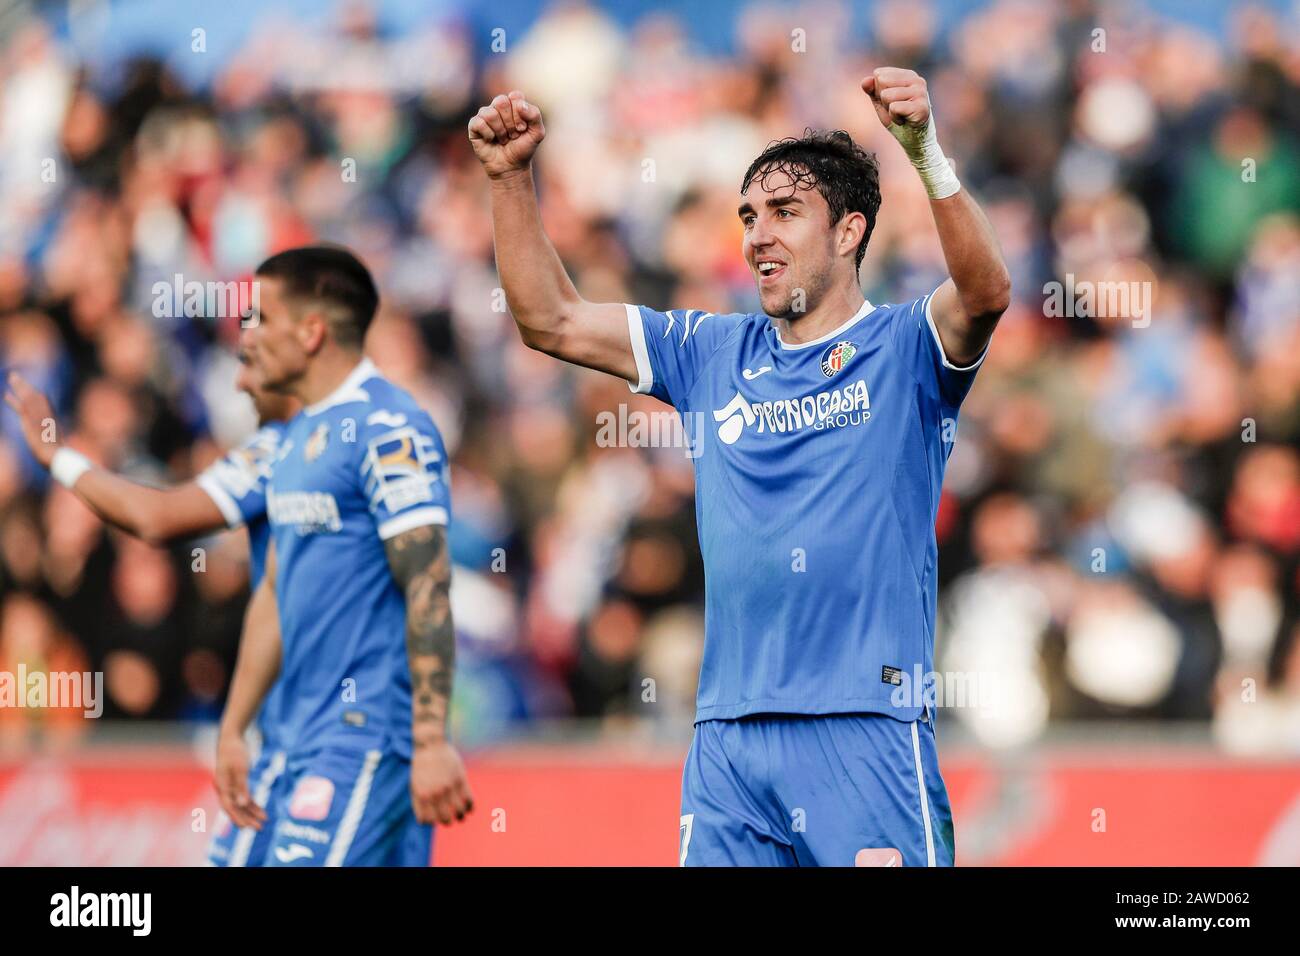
point(355, 469)
point(237, 485)
point(817, 475)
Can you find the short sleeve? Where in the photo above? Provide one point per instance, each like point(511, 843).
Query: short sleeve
point(672, 348)
point(404, 472)
point(236, 483)
point(917, 340)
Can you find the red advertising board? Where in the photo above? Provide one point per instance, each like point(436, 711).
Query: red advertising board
point(579, 807)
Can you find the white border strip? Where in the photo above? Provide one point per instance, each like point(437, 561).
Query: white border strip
point(925, 799)
point(636, 329)
point(862, 313)
point(434, 514)
point(356, 809)
point(221, 498)
point(939, 342)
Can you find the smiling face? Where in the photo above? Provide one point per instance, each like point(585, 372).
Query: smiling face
point(790, 243)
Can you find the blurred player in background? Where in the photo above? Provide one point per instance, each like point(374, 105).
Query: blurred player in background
point(230, 493)
point(827, 423)
point(359, 504)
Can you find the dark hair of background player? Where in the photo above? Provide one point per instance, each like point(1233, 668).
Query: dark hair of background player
point(332, 275)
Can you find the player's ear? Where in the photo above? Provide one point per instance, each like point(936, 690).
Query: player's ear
point(851, 230)
point(312, 331)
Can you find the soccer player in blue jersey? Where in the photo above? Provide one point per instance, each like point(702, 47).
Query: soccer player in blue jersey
point(827, 423)
point(360, 573)
point(231, 492)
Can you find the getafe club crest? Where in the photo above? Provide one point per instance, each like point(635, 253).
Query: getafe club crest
point(837, 356)
point(318, 439)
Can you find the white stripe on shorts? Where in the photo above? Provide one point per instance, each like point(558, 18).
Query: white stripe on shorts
point(261, 793)
point(356, 809)
point(925, 798)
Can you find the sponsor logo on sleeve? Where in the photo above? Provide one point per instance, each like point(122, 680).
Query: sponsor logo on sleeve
point(400, 469)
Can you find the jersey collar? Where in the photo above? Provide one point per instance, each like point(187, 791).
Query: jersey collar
point(349, 389)
point(861, 314)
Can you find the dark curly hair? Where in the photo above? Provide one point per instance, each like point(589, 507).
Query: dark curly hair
point(846, 175)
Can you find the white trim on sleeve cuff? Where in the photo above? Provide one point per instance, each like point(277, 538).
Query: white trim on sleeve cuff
point(636, 329)
point(221, 498)
point(939, 342)
point(435, 514)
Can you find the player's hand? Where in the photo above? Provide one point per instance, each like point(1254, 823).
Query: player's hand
point(899, 96)
point(36, 418)
point(439, 788)
point(232, 782)
point(506, 133)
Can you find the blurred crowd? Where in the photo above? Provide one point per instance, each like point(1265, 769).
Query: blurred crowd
point(1120, 527)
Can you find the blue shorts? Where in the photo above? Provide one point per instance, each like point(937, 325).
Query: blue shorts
point(244, 846)
point(789, 790)
point(341, 807)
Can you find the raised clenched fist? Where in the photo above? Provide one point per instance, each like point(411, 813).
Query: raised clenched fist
point(506, 133)
point(899, 96)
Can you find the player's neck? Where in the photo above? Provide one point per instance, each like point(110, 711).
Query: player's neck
point(286, 410)
point(834, 309)
point(326, 373)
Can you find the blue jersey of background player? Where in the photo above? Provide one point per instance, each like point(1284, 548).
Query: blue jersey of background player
point(229, 493)
point(237, 484)
point(824, 425)
point(358, 504)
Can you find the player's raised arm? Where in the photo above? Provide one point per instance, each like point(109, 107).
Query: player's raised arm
point(155, 515)
point(256, 669)
point(421, 564)
point(551, 316)
point(967, 307)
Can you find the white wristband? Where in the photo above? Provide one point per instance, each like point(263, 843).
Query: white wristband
point(922, 148)
point(68, 465)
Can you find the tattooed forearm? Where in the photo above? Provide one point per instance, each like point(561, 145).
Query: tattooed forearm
point(422, 568)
